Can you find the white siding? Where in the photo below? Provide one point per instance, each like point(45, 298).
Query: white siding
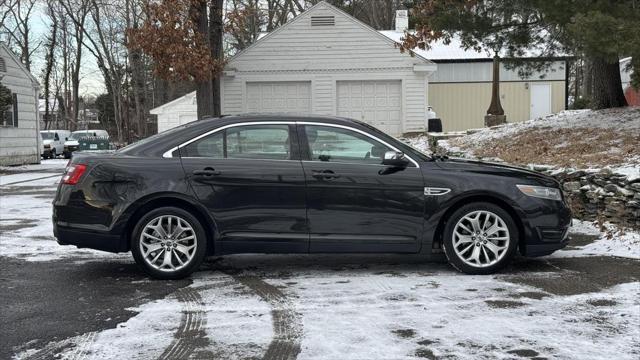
point(20, 145)
point(279, 96)
point(323, 56)
point(177, 112)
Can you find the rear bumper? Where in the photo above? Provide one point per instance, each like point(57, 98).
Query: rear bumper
point(88, 238)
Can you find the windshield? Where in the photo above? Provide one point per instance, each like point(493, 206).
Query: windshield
point(47, 135)
point(78, 135)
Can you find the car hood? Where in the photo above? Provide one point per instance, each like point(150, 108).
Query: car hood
point(47, 142)
point(498, 169)
point(71, 143)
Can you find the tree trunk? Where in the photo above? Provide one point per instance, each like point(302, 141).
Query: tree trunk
point(607, 86)
point(495, 108)
point(137, 75)
point(203, 87)
point(215, 40)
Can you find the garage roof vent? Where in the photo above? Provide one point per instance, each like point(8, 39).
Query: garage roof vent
point(3, 65)
point(323, 20)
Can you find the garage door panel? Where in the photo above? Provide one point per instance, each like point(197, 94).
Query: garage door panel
point(376, 102)
point(283, 96)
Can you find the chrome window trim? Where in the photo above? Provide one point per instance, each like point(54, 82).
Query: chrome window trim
point(169, 153)
point(360, 132)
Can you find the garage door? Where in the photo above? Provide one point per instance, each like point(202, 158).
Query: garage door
point(378, 103)
point(283, 96)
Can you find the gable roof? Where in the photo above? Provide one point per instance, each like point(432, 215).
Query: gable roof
point(21, 66)
point(326, 5)
point(160, 109)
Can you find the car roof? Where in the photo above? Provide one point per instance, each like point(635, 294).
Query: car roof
point(283, 117)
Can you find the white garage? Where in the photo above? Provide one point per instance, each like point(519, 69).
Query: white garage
point(280, 96)
point(377, 102)
point(326, 62)
point(323, 62)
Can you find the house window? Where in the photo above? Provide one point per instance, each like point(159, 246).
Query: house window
point(10, 114)
point(3, 65)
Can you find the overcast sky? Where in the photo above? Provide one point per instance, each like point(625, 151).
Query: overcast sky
point(91, 81)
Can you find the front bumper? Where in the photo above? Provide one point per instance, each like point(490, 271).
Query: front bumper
point(552, 239)
point(68, 149)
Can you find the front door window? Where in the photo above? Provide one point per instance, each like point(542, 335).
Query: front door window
point(339, 145)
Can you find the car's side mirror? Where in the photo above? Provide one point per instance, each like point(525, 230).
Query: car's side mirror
point(395, 159)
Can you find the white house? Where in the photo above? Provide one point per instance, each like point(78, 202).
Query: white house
point(326, 62)
point(19, 127)
point(322, 62)
point(176, 112)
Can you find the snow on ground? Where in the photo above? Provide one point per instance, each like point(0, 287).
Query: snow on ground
point(156, 322)
point(569, 139)
point(624, 119)
point(44, 166)
point(222, 310)
point(25, 216)
point(456, 316)
point(391, 311)
point(613, 242)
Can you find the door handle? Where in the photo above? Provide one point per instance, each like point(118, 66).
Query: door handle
point(206, 172)
point(324, 174)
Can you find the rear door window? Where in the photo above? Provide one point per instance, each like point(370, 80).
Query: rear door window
point(270, 142)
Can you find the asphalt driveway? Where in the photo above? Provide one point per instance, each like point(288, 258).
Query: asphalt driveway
point(62, 302)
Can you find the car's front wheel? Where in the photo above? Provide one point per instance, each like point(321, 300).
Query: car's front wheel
point(169, 243)
point(480, 238)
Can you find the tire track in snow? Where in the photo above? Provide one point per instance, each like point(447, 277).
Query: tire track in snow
point(191, 331)
point(81, 348)
point(287, 323)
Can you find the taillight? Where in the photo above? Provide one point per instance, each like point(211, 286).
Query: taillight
point(73, 174)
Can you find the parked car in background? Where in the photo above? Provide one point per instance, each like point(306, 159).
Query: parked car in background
point(72, 144)
point(301, 184)
point(53, 142)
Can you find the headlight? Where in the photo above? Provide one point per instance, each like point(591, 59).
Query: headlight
point(541, 192)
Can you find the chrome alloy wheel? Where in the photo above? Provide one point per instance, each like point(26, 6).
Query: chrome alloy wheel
point(481, 238)
point(168, 243)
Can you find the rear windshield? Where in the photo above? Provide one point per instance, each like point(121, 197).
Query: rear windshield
point(168, 133)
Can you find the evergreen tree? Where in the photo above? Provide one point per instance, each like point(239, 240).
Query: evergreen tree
point(600, 30)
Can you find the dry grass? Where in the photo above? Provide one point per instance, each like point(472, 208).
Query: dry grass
point(566, 147)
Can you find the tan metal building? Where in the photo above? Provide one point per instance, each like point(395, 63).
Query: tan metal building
point(460, 90)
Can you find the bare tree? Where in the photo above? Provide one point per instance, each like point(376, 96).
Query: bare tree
point(51, 44)
point(17, 23)
point(6, 6)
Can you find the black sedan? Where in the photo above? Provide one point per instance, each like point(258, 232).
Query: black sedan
point(298, 184)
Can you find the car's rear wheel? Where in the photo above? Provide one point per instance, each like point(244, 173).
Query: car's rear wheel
point(169, 243)
point(53, 154)
point(480, 238)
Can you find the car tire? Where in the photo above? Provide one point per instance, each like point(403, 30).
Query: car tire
point(480, 238)
point(52, 154)
point(67, 155)
point(169, 256)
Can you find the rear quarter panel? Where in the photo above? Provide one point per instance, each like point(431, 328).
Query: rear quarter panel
point(113, 187)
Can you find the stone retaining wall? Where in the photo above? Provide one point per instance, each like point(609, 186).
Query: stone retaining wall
point(602, 196)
